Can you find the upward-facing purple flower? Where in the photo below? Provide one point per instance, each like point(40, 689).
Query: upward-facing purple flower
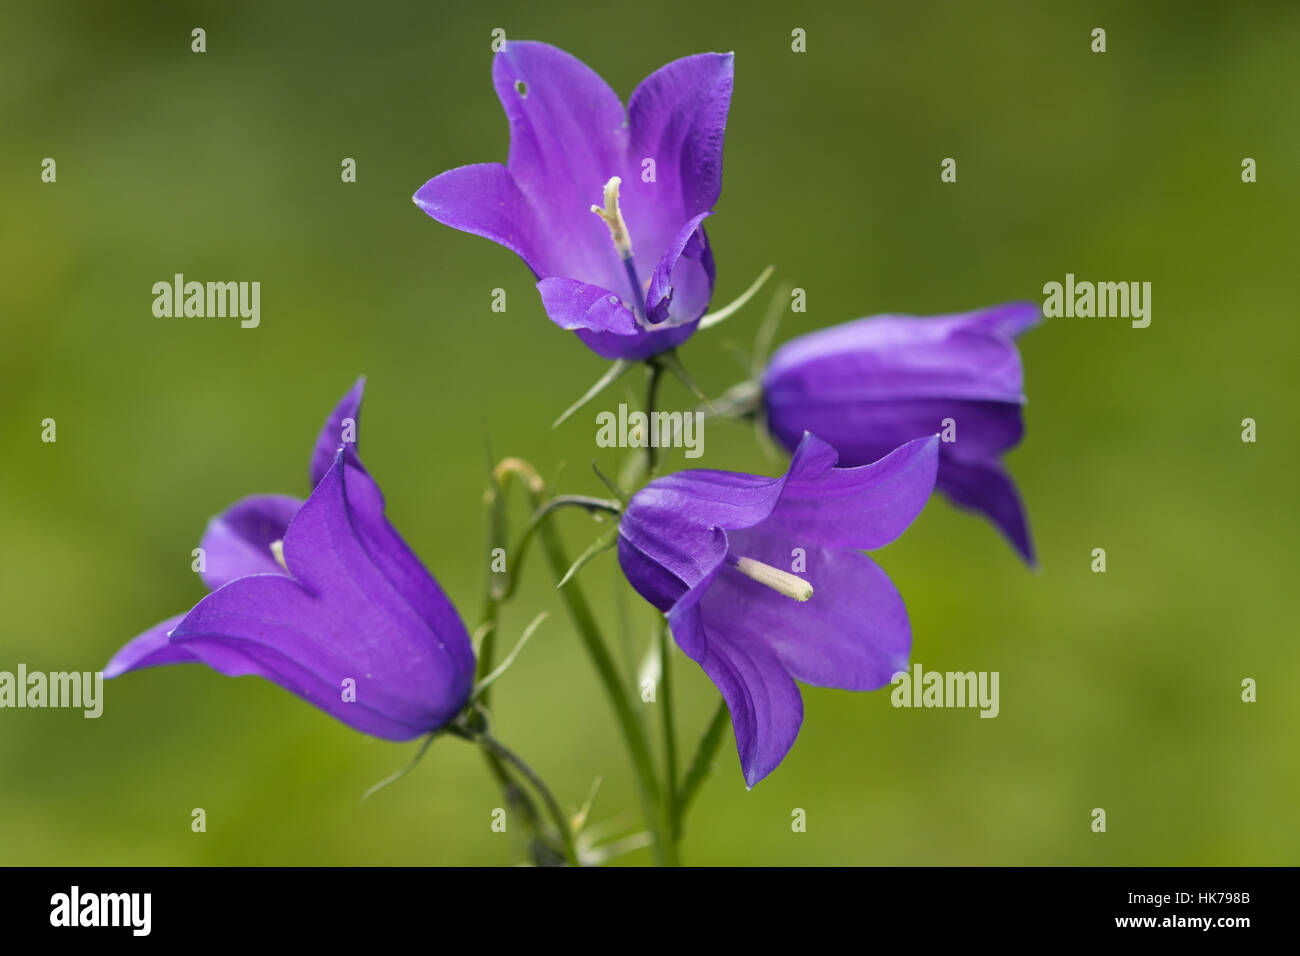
point(314, 594)
point(635, 278)
point(763, 581)
point(867, 386)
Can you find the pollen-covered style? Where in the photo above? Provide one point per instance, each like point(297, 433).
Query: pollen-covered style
point(604, 205)
point(313, 595)
point(763, 580)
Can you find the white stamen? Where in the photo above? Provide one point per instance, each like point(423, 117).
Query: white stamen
point(612, 214)
point(277, 549)
point(782, 582)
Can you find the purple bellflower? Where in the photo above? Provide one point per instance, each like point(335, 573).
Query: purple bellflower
point(869, 385)
point(635, 278)
point(711, 549)
point(312, 594)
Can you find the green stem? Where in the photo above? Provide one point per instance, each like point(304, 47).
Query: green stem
point(701, 764)
point(486, 649)
point(515, 795)
point(655, 374)
point(498, 749)
point(670, 734)
point(633, 732)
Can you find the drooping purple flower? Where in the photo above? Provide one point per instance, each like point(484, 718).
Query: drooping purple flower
point(763, 580)
point(634, 279)
point(867, 386)
point(324, 598)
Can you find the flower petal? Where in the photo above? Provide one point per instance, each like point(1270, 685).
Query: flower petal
point(334, 434)
point(340, 616)
point(678, 118)
point(237, 542)
point(853, 633)
point(484, 200)
point(568, 136)
point(578, 305)
point(864, 431)
point(865, 507)
point(404, 570)
point(149, 649)
point(893, 358)
point(604, 322)
point(682, 283)
point(986, 488)
point(1009, 319)
point(672, 533)
point(663, 559)
point(766, 709)
point(638, 345)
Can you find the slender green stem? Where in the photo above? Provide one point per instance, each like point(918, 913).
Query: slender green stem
point(587, 502)
point(633, 732)
point(701, 764)
point(494, 746)
point(670, 734)
point(486, 649)
point(503, 474)
point(655, 373)
point(516, 796)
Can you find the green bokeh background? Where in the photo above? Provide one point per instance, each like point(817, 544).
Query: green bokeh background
point(1118, 690)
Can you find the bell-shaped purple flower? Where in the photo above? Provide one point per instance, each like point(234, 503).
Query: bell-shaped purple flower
point(603, 204)
point(869, 385)
point(324, 598)
point(763, 580)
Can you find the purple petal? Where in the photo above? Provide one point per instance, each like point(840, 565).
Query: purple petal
point(678, 118)
point(394, 557)
point(867, 386)
point(485, 200)
point(893, 358)
point(678, 541)
point(568, 136)
point(865, 507)
point(672, 537)
point(149, 649)
point(340, 616)
point(604, 322)
point(238, 541)
point(682, 283)
point(335, 434)
point(987, 489)
point(864, 431)
point(639, 345)
point(577, 305)
point(678, 296)
point(766, 709)
point(663, 559)
point(852, 634)
point(1008, 320)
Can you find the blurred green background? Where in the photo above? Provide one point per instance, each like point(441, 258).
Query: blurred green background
point(1118, 690)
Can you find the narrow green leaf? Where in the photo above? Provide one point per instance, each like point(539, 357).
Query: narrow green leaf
point(701, 764)
point(670, 361)
point(394, 777)
point(600, 545)
point(615, 372)
point(510, 658)
point(731, 308)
